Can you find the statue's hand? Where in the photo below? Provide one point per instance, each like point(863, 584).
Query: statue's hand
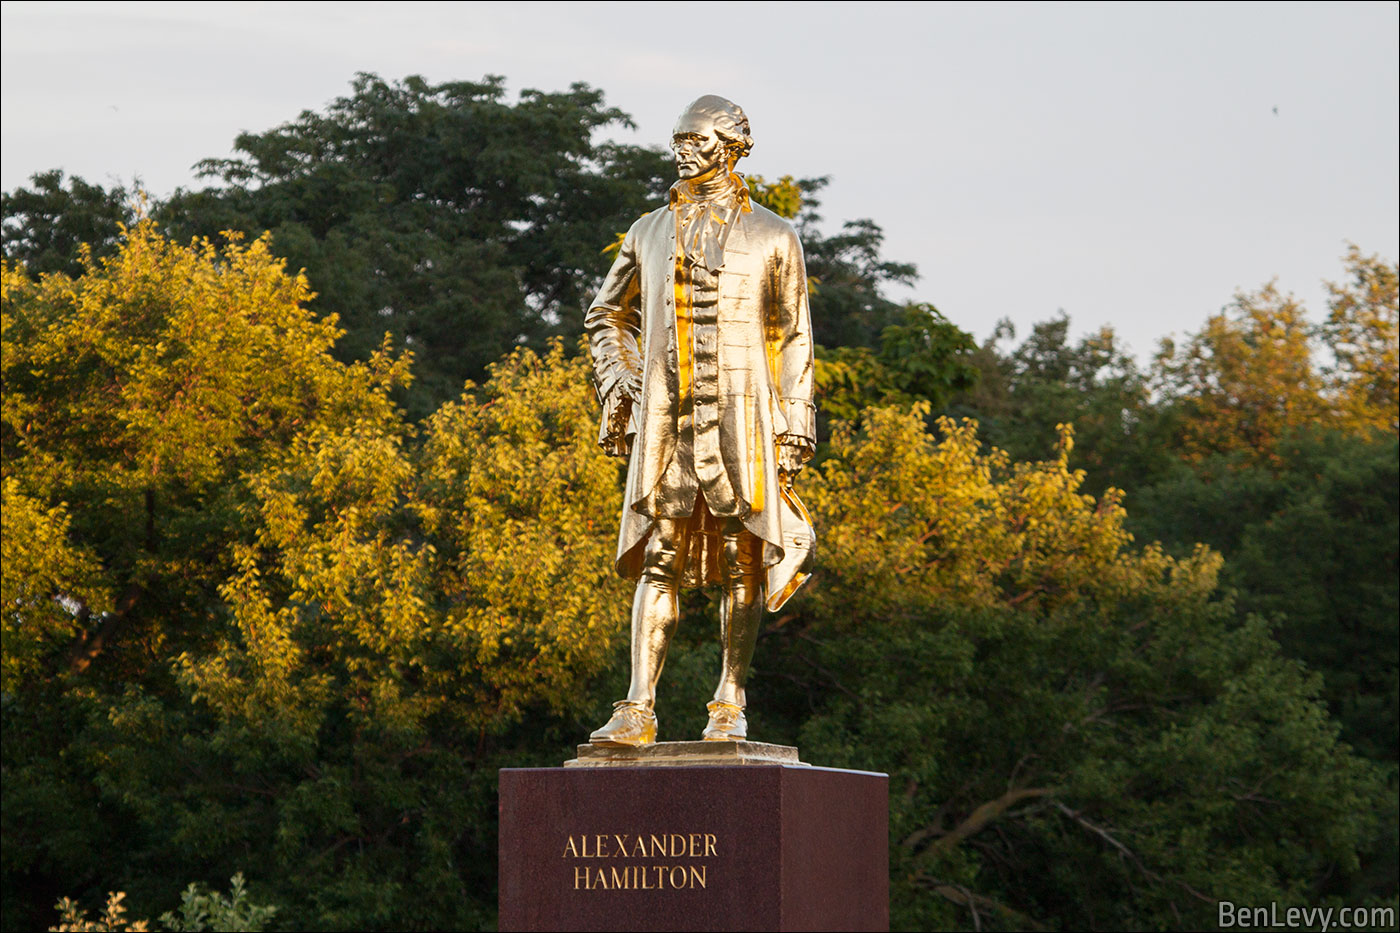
point(790, 458)
point(617, 416)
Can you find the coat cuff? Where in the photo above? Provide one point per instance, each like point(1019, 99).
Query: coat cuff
point(801, 416)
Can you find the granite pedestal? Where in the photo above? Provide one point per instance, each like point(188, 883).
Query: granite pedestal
point(693, 836)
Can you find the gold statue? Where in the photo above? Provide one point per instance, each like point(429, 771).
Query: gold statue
point(702, 357)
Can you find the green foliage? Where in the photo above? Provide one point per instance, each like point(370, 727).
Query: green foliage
point(198, 912)
point(1273, 441)
point(922, 357)
point(459, 222)
point(848, 272)
point(213, 911)
point(1051, 703)
point(256, 615)
point(1312, 546)
point(46, 226)
point(783, 197)
point(1095, 384)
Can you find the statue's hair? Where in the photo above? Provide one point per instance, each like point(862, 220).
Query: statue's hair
point(731, 123)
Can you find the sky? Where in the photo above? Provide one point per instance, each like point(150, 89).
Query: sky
point(1131, 165)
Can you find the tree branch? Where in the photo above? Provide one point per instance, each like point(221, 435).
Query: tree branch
point(979, 818)
point(963, 897)
point(1129, 854)
point(92, 643)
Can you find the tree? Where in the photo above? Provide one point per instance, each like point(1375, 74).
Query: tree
point(135, 398)
point(922, 357)
point(1248, 377)
point(45, 226)
point(1051, 703)
point(48, 226)
point(459, 222)
point(1095, 384)
point(138, 392)
point(1311, 544)
point(330, 627)
point(1362, 332)
point(848, 275)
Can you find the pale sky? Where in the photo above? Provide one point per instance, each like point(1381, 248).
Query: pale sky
point(1133, 165)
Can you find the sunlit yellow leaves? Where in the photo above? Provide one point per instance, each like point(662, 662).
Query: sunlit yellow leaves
point(147, 392)
point(1363, 333)
point(907, 518)
point(783, 197)
point(170, 360)
point(1260, 368)
point(517, 490)
point(47, 582)
point(468, 572)
point(1248, 376)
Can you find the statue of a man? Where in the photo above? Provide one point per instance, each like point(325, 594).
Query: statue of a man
point(702, 355)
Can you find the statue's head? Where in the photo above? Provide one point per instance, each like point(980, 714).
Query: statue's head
point(710, 136)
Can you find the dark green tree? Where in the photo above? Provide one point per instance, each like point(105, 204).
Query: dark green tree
point(1054, 703)
point(922, 356)
point(1312, 545)
point(45, 226)
point(460, 222)
point(848, 275)
point(1023, 392)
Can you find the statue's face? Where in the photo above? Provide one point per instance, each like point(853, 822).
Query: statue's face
point(700, 153)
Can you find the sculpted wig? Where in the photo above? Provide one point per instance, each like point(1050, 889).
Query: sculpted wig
point(730, 122)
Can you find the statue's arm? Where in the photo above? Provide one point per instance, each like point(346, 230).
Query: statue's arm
point(614, 326)
point(794, 358)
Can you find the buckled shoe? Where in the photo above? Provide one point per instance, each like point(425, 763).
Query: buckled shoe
point(633, 722)
point(727, 722)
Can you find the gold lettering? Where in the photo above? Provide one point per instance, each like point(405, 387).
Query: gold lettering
point(638, 877)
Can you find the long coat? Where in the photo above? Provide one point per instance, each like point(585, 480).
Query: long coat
point(764, 372)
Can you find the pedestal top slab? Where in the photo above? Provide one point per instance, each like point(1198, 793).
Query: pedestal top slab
point(685, 754)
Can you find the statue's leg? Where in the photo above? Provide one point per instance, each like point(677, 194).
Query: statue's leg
point(654, 613)
point(655, 608)
point(740, 614)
